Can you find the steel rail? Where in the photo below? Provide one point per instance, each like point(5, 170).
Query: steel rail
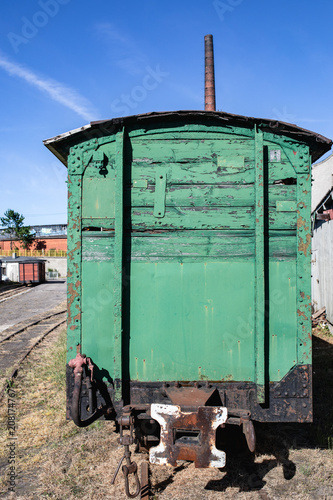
point(33, 323)
point(19, 362)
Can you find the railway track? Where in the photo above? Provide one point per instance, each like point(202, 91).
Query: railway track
point(17, 342)
point(13, 291)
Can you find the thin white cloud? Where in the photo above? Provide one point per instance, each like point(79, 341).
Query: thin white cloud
point(187, 91)
point(57, 91)
point(124, 51)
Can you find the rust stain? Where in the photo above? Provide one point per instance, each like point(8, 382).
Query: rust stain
point(300, 222)
point(72, 294)
point(301, 314)
point(77, 317)
point(303, 246)
point(76, 248)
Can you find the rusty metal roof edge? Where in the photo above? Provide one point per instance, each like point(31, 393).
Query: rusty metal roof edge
point(61, 137)
point(323, 200)
point(274, 125)
point(328, 158)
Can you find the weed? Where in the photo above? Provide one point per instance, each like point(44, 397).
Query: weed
point(306, 470)
point(324, 330)
point(330, 442)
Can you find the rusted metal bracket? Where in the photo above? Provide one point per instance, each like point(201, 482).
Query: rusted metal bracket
point(295, 384)
point(160, 189)
point(189, 396)
point(249, 432)
point(188, 435)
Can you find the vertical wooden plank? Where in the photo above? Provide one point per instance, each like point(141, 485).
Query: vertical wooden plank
point(74, 254)
point(259, 268)
point(303, 265)
point(118, 265)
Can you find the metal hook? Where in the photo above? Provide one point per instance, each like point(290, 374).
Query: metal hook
point(130, 468)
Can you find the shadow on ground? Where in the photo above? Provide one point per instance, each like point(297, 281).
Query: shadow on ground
point(278, 439)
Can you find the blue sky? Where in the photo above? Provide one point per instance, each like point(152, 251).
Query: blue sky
point(64, 63)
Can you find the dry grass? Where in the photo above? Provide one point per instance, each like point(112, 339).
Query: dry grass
point(57, 460)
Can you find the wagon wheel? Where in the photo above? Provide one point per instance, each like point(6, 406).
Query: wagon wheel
point(144, 480)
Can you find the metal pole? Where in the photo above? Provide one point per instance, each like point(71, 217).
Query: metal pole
point(209, 74)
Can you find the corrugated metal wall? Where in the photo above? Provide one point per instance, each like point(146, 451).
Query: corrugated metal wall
point(322, 269)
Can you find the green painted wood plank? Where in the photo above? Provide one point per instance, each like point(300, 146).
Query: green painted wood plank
point(209, 195)
point(97, 315)
point(74, 257)
point(282, 317)
point(196, 196)
point(118, 266)
point(205, 172)
point(177, 130)
point(236, 218)
point(186, 151)
point(98, 197)
point(259, 268)
point(193, 218)
point(92, 222)
point(187, 245)
point(98, 248)
point(193, 330)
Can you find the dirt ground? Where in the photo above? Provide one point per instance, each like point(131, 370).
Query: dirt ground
point(55, 459)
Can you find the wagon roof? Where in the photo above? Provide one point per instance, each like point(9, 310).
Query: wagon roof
point(25, 260)
point(60, 144)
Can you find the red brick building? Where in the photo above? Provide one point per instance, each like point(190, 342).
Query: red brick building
point(48, 237)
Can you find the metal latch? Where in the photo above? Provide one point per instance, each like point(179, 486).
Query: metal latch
point(160, 189)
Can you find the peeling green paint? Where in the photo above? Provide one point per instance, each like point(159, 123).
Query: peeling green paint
point(193, 277)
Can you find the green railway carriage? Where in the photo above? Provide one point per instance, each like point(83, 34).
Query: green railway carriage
point(189, 243)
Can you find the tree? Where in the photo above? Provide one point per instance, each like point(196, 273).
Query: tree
point(13, 226)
